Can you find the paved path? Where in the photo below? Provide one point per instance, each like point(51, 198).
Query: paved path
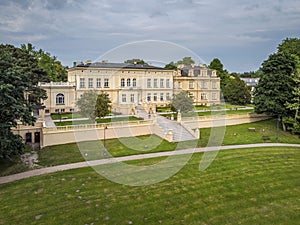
point(52, 169)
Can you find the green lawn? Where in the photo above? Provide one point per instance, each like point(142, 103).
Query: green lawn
point(70, 153)
point(209, 113)
point(248, 186)
point(74, 115)
point(92, 150)
point(239, 134)
point(102, 120)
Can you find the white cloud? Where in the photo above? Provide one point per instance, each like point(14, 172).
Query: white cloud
point(202, 25)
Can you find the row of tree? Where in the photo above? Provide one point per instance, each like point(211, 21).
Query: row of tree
point(278, 91)
point(20, 71)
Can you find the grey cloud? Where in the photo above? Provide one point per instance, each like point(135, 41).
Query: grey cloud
point(22, 3)
point(56, 4)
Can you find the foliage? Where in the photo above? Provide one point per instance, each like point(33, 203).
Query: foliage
point(87, 103)
point(49, 64)
point(183, 102)
point(216, 64)
point(186, 61)
point(171, 66)
point(251, 74)
point(102, 107)
point(236, 92)
point(19, 75)
point(136, 61)
point(290, 46)
point(276, 85)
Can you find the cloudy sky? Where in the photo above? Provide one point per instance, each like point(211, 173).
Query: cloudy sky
point(240, 33)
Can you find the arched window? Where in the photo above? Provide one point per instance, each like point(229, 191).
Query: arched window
point(128, 82)
point(122, 82)
point(134, 82)
point(60, 99)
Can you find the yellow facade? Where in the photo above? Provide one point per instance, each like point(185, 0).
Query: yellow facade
point(128, 85)
point(202, 83)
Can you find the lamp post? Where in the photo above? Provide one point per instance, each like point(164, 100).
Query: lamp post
point(104, 141)
point(59, 116)
point(277, 128)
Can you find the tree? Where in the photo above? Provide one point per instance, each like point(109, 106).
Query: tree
point(171, 66)
point(52, 67)
point(136, 61)
point(236, 92)
point(102, 107)
point(290, 46)
point(87, 103)
point(19, 75)
point(223, 74)
point(183, 102)
point(186, 61)
point(276, 87)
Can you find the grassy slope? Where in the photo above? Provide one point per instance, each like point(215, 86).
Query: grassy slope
point(102, 120)
point(239, 134)
point(249, 186)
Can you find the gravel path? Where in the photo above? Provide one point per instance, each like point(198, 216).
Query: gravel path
point(46, 170)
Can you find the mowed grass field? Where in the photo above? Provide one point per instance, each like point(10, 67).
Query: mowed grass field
point(248, 186)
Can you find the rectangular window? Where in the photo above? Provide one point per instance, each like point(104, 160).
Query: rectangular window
point(179, 85)
point(71, 110)
point(204, 73)
point(161, 96)
point(155, 97)
point(203, 96)
point(214, 85)
point(155, 83)
point(191, 85)
point(134, 82)
point(162, 83)
point(62, 110)
point(57, 110)
point(47, 111)
point(168, 83)
point(149, 97)
point(106, 84)
point(168, 96)
point(98, 83)
point(82, 83)
point(148, 83)
point(214, 96)
point(132, 98)
point(123, 98)
point(90, 82)
point(122, 82)
point(203, 84)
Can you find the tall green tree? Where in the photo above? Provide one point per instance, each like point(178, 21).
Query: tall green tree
point(86, 104)
point(19, 75)
point(183, 102)
point(51, 66)
point(102, 107)
point(290, 46)
point(276, 88)
point(236, 92)
point(216, 64)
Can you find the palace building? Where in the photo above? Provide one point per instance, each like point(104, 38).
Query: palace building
point(130, 85)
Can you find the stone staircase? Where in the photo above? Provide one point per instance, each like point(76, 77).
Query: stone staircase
point(179, 132)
